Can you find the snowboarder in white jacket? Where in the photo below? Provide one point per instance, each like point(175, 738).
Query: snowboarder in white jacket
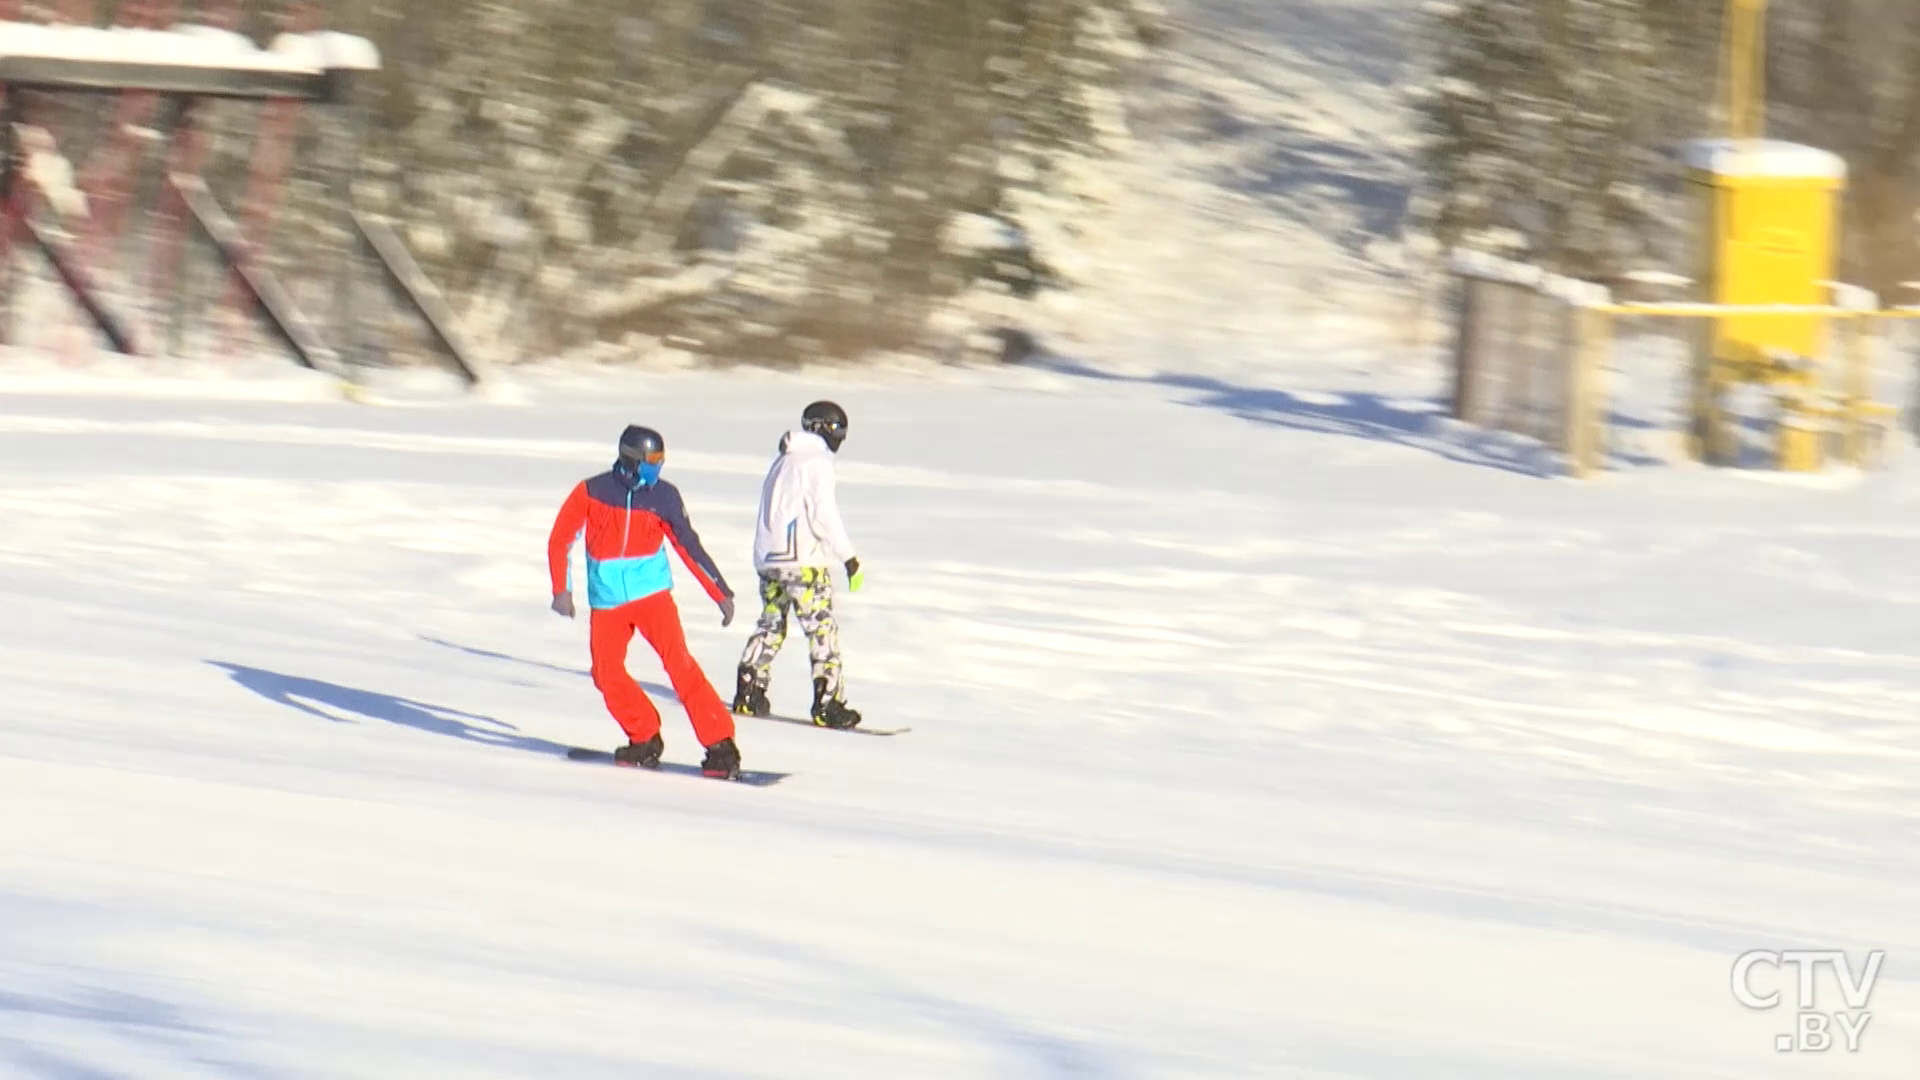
point(798, 540)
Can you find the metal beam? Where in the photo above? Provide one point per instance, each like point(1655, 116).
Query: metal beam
point(81, 285)
point(420, 292)
point(67, 75)
point(285, 319)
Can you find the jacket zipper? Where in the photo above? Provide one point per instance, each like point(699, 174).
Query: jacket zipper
point(626, 524)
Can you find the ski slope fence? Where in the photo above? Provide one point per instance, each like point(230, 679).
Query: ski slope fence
point(1520, 358)
point(1533, 350)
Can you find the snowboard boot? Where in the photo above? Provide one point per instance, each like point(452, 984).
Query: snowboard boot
point(831, 712)
point(644, 754)
point(750, 694)
point(722, 761)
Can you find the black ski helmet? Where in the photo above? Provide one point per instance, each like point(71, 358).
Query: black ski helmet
point(642, 445)
point(642, 453)
point(827, 420)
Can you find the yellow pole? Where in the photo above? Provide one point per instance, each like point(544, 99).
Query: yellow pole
point(1743, 111)
point(1743, 78)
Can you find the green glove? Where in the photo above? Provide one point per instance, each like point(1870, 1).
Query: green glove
point(855, 576)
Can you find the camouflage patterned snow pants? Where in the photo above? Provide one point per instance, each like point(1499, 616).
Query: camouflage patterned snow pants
point(808, 594)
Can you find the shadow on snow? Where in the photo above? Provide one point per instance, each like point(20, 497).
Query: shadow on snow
point(158, 1027)
point(1419, 424)
point(657, 691)
point(342, 704)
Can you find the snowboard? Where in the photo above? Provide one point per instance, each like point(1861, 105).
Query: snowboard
point(862, 729)
point(749, 777)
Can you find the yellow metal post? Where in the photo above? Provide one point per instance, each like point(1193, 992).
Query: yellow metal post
point(1743, 72)
point(1770, 216)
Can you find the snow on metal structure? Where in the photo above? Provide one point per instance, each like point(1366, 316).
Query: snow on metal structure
point(1761, 158)
point(200, 61)
point(210, 47)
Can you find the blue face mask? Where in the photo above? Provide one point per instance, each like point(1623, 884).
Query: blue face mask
point(637, 474)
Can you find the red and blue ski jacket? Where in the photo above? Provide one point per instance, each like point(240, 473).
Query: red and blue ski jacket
point(627, 530)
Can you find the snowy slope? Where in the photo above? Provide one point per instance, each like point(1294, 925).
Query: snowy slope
point(1257, 734)
point(1253, 218)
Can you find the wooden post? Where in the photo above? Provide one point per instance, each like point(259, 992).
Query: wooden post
point(1586, 435)
point(9, 184)
point(1466, 345)
point(1518, 360)
point(1859, 386)
point(1700, 418)
point(1553, 337)
point(1575, 383)
point(1599, 393)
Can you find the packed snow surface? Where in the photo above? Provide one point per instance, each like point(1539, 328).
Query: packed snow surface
point(1258, 731)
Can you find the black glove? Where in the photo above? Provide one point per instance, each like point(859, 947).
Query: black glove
point(563, 604)
point(854, 580)
point(726, 612)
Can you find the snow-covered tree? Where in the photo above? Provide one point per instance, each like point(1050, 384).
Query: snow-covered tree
point(1547, 122)
point(751, 179)
point(1550, 124)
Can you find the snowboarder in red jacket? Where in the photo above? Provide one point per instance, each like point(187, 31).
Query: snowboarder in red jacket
point(630, 517)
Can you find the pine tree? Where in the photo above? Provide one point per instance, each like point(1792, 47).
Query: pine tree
point(1550, 125)
point(1547, 121)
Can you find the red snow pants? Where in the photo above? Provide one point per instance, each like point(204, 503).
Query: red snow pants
point(657, 618)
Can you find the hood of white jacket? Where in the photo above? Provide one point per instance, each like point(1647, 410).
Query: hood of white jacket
point(798, 443)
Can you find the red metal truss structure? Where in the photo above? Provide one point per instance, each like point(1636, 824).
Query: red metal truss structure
point(143, 179)
point(275, 133)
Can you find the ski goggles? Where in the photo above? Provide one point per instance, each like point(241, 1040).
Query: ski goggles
point(649, 457)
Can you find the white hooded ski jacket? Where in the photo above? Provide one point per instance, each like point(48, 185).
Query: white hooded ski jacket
point(799, 523)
